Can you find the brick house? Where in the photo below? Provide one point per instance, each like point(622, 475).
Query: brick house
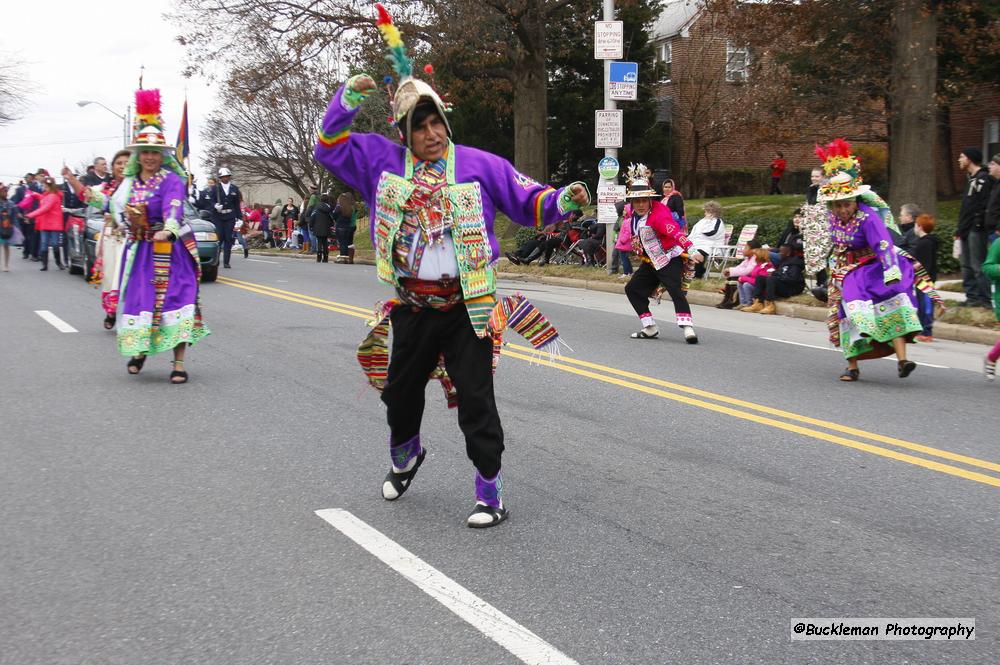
point(702, 97)
point(974, 123)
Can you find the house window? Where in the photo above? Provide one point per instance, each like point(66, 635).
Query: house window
point(991, 134)
point(665, 57)
point(737, 62)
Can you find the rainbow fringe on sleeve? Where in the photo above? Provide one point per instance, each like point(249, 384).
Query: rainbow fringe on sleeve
point(335, 139)
point(540, 204)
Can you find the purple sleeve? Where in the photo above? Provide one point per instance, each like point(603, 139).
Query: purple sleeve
point(358, 160)
point(877, 237)
point(525, 201)
point(172, 195)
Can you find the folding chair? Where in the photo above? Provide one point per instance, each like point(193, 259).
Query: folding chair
point(719, 255)
point(731, 253)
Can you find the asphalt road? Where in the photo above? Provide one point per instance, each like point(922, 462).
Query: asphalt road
point(670, 503)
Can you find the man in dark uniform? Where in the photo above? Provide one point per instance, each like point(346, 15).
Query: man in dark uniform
point(225, 199)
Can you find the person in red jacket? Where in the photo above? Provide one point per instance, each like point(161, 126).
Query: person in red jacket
point(778, 166)
point(662, 248)
point(49, 222)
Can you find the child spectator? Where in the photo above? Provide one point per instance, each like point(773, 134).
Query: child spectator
point(735, 274)
point(925, 249)
point(787, 279)
point(762, 268)
point(908, 214)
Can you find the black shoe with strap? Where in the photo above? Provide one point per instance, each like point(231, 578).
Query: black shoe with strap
point(178, 376)
point(400, 482)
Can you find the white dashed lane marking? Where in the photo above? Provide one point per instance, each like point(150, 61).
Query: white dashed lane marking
point(58, 323)
point(490, 621)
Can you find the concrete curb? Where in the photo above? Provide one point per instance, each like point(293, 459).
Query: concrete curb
point(950, 331)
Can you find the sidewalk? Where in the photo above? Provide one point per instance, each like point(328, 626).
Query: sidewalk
point(942, 330)
point(949, 331)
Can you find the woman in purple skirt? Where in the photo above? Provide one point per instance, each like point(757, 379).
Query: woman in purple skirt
point(160, 309)
point(873, 313)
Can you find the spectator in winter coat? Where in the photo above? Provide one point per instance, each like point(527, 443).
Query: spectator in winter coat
point(908, 214)
point(707, 234)
point(735, 278)
point(746, 283)
point(971, 231)
point(788, 279)
point(778, 166)
point(674, 201)
point(815, 180)
point(925, 250)
point(993, 204)
point(345, 216)
point(321, 226)
point(48, 220)
point(275, 222)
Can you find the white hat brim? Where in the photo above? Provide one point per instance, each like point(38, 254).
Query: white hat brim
point(853, 194)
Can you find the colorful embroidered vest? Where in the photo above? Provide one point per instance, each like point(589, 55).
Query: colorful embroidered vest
point(471, 241)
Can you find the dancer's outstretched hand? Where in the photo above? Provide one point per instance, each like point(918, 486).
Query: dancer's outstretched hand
point(579, 194)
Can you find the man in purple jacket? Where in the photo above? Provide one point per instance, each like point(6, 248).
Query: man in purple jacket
point(432, 206)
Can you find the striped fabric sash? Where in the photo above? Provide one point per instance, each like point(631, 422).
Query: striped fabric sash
point(488, 317)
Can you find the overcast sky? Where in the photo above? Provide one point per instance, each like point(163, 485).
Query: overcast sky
point(78, 51)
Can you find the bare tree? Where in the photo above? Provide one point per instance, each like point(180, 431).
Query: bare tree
point(267, 126)
point(13, 102)
point(494, 39)
point(708, 107)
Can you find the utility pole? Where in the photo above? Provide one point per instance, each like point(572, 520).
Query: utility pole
point(608, 46)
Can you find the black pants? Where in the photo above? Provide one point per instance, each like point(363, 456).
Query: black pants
point(418, 339)
point(30, 247)
point(345, 238)
point(322, 248)
point(771, 288)
point(226, 229)
point(699, 268)
point(775, 185)
point(645, 280)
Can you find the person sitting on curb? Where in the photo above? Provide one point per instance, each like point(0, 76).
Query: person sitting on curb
point(747, 283)
point(735, 282)
point(786, 280)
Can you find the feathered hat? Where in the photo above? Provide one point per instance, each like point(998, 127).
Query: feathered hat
point(843, 170)
point(638, 183)
point(147, 126)
point(409, 91)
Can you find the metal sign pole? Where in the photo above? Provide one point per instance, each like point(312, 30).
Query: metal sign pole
point(609, 105)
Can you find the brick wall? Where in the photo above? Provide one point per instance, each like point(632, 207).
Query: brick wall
point(701, 96)
point(968, 126)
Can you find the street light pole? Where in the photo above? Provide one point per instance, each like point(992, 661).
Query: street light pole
point(123, 118)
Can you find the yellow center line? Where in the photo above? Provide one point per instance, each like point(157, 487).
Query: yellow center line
point(573, 366)
point(824, 436)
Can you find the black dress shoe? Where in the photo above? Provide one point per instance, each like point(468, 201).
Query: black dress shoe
point(226, 265)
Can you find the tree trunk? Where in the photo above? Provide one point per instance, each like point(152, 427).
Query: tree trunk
point(530, 103)
point(531, 148)
point(945, 163)
point(913, 121)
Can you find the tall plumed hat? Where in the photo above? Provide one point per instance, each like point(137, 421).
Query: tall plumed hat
point(638, 183)
point(147, 126)
point(410, 91)
point(843, 170)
